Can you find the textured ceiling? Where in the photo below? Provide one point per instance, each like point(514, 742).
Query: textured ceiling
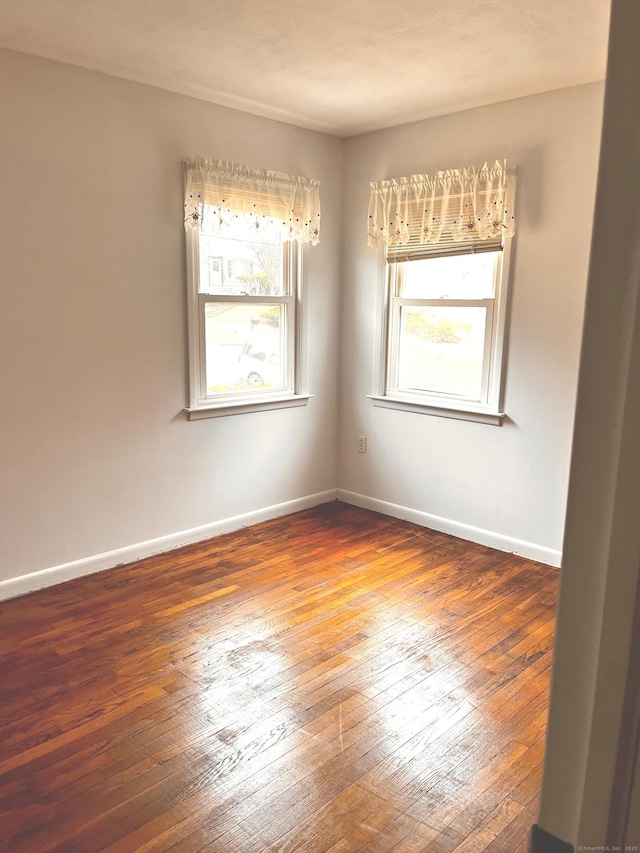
point(341, 66)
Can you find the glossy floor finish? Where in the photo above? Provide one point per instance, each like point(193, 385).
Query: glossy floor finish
point(331, 681)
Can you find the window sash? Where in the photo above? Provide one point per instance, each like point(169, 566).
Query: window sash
point(396, 273)
point(490, 352)
point(288, 346)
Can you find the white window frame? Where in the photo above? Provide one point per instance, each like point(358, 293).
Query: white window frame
point(489, 409)
point(291, 394)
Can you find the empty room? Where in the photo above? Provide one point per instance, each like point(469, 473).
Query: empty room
point(297, 430)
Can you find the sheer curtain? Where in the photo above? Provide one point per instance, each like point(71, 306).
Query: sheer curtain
point(219, 193)
point(459, 206)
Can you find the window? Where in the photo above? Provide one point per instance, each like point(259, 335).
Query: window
point(246, 319)
point(442, 334)
point(445, 306)
point(244, 286)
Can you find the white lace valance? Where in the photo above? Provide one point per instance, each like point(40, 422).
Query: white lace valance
point(219, 193)
point(459, 206)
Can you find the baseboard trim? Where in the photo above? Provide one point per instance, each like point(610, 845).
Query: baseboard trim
point(110, 559)
point(541, 841)
point(455, 528)
point(129, 554)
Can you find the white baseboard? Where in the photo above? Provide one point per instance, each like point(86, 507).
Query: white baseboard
point(108, 560)
point(455, 528)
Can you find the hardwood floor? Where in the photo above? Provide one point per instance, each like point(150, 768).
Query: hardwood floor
point(330, 681)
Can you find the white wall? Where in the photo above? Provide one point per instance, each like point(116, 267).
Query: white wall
point(509, 480)
point(96, 453)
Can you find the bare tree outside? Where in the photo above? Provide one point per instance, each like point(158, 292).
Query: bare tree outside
point(265, 281)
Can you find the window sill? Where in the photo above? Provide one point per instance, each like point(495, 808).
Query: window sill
point(479, 414)
point(237, 407)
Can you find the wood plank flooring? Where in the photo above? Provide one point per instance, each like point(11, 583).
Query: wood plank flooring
point(328, 682)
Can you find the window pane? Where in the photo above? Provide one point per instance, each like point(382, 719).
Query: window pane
point(456, 277)
point(244, 347)
point(241, 262)
point(441, 350)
